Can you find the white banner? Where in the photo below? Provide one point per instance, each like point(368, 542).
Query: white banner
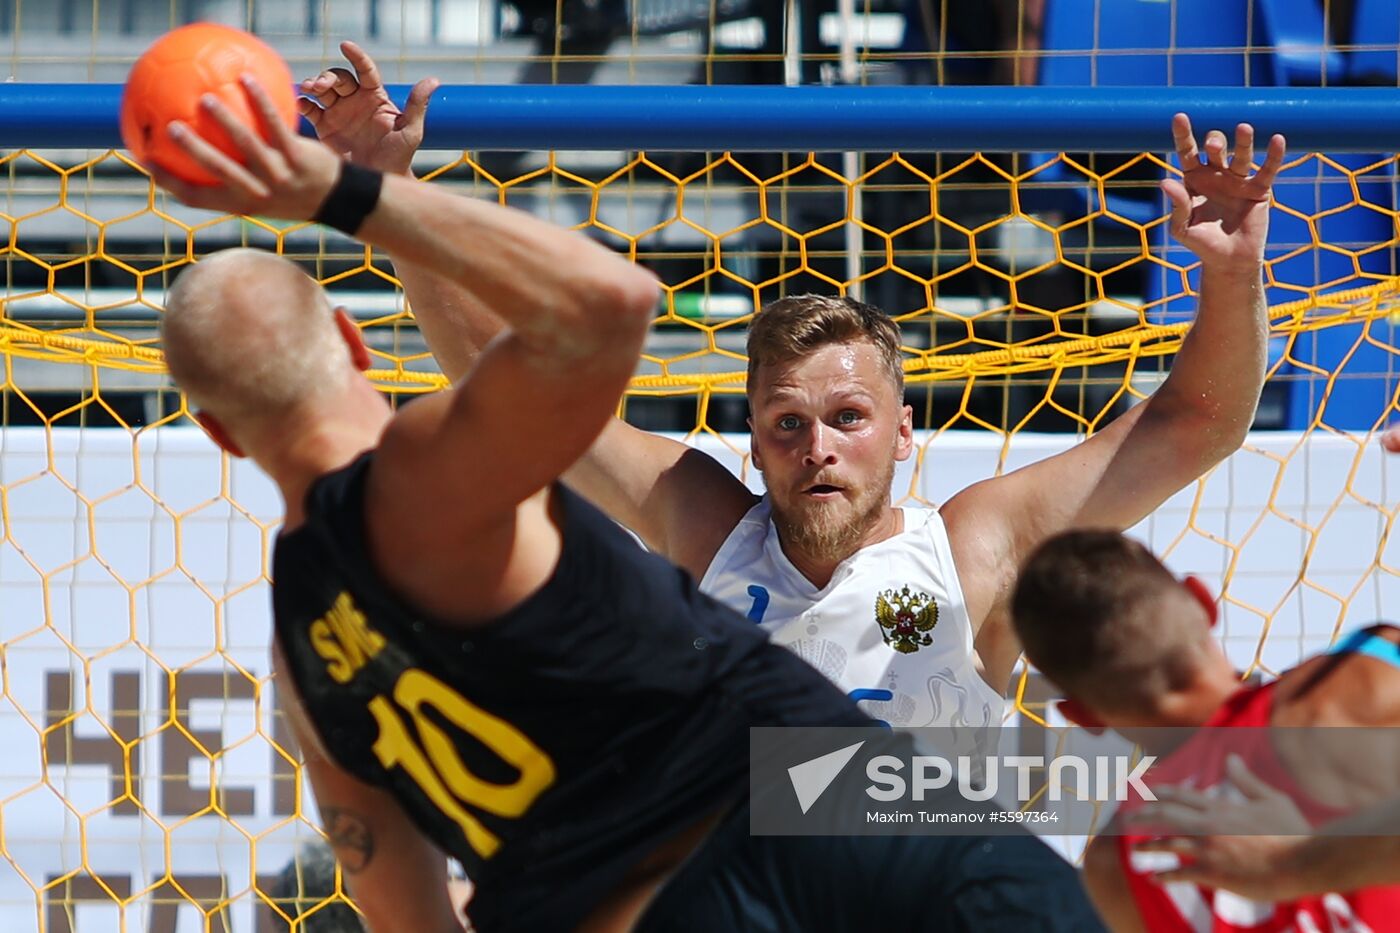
point(108, 601)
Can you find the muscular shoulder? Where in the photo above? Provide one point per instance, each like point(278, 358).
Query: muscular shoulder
point(699, 536)
point(734, 542)
point(1342, 689)
point(1341, 767)
point(461, 572)
point(981, 551)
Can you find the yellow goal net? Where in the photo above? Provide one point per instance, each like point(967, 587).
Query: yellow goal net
point(150, 782)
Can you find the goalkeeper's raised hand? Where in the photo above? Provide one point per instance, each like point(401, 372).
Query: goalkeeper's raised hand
point(352, 113)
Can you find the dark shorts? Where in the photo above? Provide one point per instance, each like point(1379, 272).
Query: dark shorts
point(796, 884)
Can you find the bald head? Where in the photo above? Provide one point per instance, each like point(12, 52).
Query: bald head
point(1102, 618)
point(248, 335)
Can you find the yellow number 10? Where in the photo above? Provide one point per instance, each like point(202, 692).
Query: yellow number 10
point(440, 772)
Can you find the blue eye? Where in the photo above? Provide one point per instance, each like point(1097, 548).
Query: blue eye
point(847, 417)
point(789, 423)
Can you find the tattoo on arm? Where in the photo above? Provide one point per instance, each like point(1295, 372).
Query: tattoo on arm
point(350, 838)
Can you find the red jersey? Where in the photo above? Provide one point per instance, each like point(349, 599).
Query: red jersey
point(1182, 907)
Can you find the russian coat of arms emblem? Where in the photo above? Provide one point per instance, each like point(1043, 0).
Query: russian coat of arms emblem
point(906, 618)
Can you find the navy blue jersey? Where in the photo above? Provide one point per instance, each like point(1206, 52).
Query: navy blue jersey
point(550, 748)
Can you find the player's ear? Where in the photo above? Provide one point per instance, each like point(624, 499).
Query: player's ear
point(1079, 714)
point(218, 433)
point(904, 442)
point(359, 354)
point(1202, 594)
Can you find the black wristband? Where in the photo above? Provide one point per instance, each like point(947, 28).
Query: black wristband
point(352, 199)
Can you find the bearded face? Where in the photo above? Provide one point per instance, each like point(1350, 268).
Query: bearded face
point(830, 519)
point(827, 432)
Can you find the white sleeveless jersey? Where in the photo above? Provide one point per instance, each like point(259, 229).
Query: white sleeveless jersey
point(891, 628)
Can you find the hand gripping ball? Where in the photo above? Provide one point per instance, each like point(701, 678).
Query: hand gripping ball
point(167, 82)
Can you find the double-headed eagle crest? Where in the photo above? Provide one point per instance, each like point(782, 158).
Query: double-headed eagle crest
point(906, 618)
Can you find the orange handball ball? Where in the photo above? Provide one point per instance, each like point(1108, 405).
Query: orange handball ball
point(183, 65)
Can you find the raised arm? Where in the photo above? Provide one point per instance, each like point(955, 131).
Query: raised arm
point(455, 466)
point(650, 484)
point(354, 115)
point(1198, 416)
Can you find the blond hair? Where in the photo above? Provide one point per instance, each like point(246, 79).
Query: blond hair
point(248, 335)
point(790, 328)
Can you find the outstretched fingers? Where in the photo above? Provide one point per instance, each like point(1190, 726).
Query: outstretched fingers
point(1215, 150)
point(366, 71)
point(1239, 163)
point(1243, 158)
point(1181, 205)
point(416, 107)
point(1263, 180)
point(1185, 141)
